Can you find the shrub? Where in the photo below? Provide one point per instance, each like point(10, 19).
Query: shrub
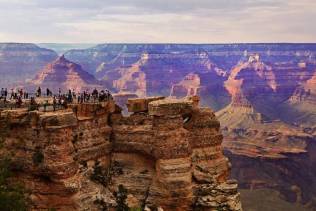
point(120, 198)
point(38, 157)
point(12, 196)
point(100, 175)
point(102, 204)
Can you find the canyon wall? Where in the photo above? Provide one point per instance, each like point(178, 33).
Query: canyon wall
point(166, 154)
point(21, 61)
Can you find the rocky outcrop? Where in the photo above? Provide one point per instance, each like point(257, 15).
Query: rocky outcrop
point(306, 92)
point(65, 75)
point(121, 99)
point(133, 79)
point(188, 87)
point(53, 153)
point(166, 154)
point(184, 143)
point(249, 79)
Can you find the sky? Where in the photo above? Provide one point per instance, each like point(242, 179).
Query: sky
point(157, 21)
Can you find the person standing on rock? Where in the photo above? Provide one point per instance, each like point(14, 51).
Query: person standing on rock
point(69, 96)
point(84, 96)
point(19, 101)
point(21, 93)
point(95, 94)
point(5, 93)
point(78, 98)
point(47, 92)
point(2, 93)
point(33, 104)
point(54, 103)
point(39, 92)
point(12, 94)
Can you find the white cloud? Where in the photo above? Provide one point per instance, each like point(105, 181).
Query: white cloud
point(187, 21)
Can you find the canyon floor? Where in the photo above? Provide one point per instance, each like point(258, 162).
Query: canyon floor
point(263, 199)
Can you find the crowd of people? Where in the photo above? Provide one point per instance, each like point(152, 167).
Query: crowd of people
point(59, 99)
point(17, 95)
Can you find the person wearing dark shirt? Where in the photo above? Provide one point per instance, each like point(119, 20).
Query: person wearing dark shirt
point(39, 92)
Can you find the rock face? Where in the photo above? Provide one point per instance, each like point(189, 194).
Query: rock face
point(21, 61)
point(166, 155)
point(268, 127)
point(271, 72)
point(121, 99)
point(65, 75)
point(188, 87)
point(302, 102)
point(133, 79)
point(152, 70)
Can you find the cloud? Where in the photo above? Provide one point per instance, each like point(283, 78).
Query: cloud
point(188, 21)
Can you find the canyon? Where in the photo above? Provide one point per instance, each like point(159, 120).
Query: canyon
point(167, 154)
point(262, 94)
point(20, 62)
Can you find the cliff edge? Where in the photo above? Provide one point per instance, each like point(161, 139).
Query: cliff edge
point(166, 154)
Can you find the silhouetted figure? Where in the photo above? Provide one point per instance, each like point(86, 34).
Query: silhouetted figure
point(19, 102)
point(21, 93)
point(12, 94)
point(95, 94)
point(39, 92)
point(5, 93)
point(2, 93)
point(69, 96)
point(78, 99)
point(45, 105)
point(54, 103)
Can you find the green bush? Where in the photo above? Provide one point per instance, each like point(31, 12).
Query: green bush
point(135, 209)
point(102, 204)
point(100, 175)
point(38, 157)
point(120, 198)
point(12, 196)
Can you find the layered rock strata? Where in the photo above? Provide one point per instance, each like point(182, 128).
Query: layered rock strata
point(65, 75)
point(166, 154)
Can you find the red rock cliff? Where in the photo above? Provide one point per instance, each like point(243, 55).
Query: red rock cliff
point(166, 154)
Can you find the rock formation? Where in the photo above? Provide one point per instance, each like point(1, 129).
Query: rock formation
point(132, 78)
point(121, 99)
point(190, 86)
point(257, 141)
point(65, 75)
point(153, 69)
point(166, 154)
point(21, 61)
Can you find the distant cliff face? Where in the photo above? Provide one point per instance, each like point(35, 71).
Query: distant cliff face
point(154, 69)
point(19, 62)
point(272, 72)
point(166, 154)
point(269, 127)
point(65, 75)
